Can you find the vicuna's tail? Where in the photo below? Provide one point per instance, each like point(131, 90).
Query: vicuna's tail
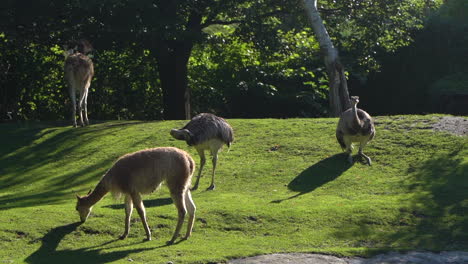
point(192, 170)
point(192, 166)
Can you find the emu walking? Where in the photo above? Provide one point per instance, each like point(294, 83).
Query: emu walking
point(79, 71)
point(355, 125)
point(206, 132)
point(143, 172)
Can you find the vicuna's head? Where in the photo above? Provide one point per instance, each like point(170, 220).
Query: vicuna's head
point(82, 46)
point(354, 100)
point(181, 134)
point(83, 209)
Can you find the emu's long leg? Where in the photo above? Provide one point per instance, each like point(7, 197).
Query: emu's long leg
point(214, 160)
point(128, 214)
point(349, 149)
point(142, 212)
point(361, 147)
point(201, 153)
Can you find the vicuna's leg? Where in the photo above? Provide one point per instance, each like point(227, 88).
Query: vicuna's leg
point(138, 203)
point(72, 91)
point(214, 153)
point(80, 106)
point(361, 147)
point(201, 153)
point(191, 211)
point(179, 201)
point(128, 214)
point(85, 103)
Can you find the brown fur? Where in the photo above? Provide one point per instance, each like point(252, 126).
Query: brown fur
point(143, 172)
point(79, 71)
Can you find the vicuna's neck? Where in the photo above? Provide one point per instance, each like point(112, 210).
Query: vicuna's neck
point(96, 195)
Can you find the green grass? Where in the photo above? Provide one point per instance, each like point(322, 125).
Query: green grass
point(283, 187)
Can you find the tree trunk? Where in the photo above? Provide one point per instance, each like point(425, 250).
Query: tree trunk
point(172, 62)
point(338, 94)
point(172, 56)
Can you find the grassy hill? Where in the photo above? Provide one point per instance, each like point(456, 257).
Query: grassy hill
point(283, 187)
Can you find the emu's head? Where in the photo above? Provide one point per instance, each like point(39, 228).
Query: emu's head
point(181, 134)
point(354, 100)
point(83, 210)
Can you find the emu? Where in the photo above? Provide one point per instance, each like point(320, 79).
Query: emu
point(79, 71)
point(143, 172)
point(355, 125)
point(206, 132)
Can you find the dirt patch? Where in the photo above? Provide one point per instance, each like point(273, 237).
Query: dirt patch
point(414, 257)
point(452, 124)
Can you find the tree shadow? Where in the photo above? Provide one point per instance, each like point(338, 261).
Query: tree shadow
point(48, 252)
point(148, 203)
point(438, 213)
point(20, 155)
point(317, 175)
point(434, 217)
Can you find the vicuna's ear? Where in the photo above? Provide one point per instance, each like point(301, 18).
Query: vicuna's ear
point(78, 197)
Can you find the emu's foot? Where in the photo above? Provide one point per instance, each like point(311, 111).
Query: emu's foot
point(350, 159)
point(170, 242)
point(147, 239)
point(369, 162)
point(122, 237)
point(212, 187)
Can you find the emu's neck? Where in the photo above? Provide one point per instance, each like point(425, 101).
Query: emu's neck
point(96, 195)
point(356, 119)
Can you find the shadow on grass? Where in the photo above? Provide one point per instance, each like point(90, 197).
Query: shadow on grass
point(317, 175)
point(148, 203)
point(48, 252)
point(434, 217)
point(20, 155)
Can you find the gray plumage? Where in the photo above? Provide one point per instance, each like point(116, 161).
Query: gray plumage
point(355, 125)
point(206, 132)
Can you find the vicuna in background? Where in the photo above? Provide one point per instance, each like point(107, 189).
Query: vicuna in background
point(79, 71)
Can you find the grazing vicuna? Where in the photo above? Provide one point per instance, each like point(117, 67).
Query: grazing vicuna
point(355, 125)
point(79, 71)
point(143, 172)
point(206, 132)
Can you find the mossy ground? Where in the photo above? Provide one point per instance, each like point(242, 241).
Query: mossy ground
point(284, 186)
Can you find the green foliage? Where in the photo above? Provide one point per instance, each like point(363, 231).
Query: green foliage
point(250, 58)
point(282, 180)
point(435, 61)
point(126, 86)
point(362, 30)
point(236, 78)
